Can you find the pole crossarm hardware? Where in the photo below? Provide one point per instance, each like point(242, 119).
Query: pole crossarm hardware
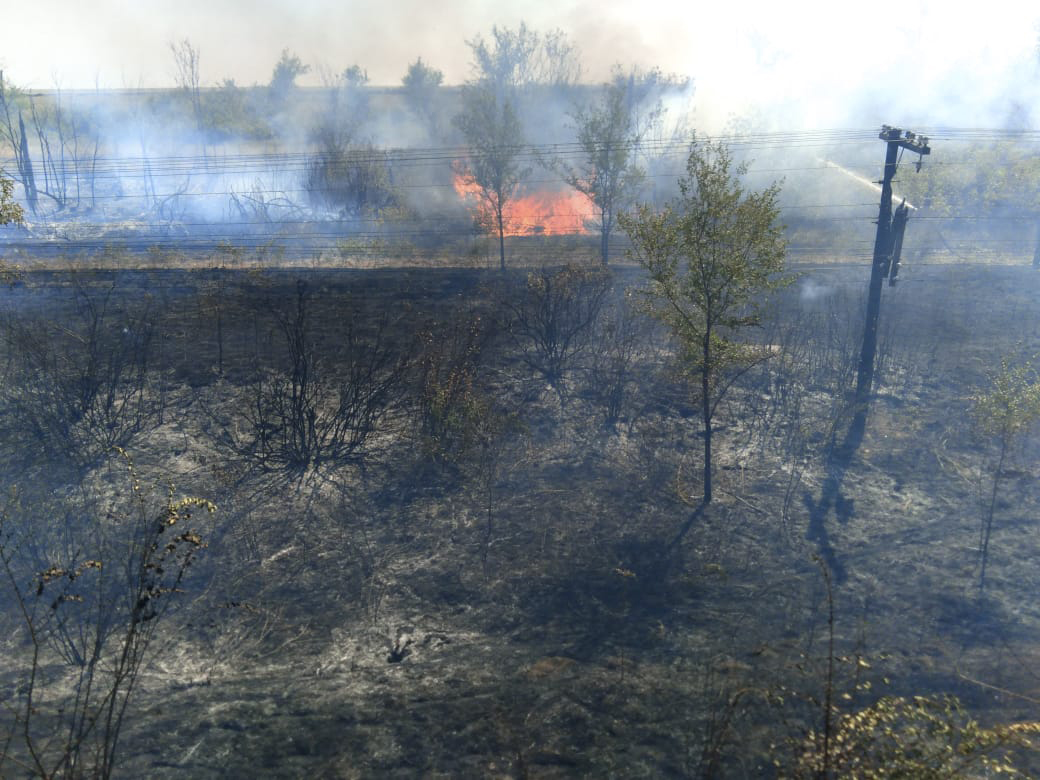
point(887, 245)
point(918, 144)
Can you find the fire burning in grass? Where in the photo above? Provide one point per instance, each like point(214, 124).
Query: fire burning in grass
point(539, 213)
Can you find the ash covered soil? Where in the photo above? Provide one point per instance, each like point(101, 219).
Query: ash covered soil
point(529, 589)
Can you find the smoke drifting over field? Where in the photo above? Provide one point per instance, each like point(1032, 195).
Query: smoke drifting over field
point(816, 64)
point(231, 158)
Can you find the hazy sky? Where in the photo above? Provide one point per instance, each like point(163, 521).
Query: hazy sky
point(957, 61)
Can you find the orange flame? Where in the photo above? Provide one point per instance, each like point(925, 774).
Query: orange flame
point(538, 213)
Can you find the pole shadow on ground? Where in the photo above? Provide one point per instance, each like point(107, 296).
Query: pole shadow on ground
point(839, 459)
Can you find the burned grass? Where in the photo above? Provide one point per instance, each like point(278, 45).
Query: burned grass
point(517, 599)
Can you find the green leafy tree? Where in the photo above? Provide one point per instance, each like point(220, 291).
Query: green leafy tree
point(997, 179)
point(998, 184)
point(286, 70)
point(10, 211)
point(10, 214)
point(607, 174)
point(710, 255)
point(355, 76)
point(508, 72)
point(232, 112)
point(354, 86)
point(522, 58)
point(1005, 413)
point(923, 737)
point(421, 83)
point(351, 178)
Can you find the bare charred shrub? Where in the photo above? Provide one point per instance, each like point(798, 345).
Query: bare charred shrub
point(366, 552)
point(213, 301)
point(352, 179)
point(621, 335)
point(450, 404)
point(463, 429)
point(322, 403)
point(776, 413)
point(552, 316)
point(496, 442)
point(831, 336)
point(81, 389)
point(85, 594)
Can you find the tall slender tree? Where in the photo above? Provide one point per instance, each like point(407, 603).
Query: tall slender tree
point(507, 69)
point(421, 84)
point(1004, 413)
point(186, 61)
point(606, 172)
point(492, 131)
point(283, 77)
point(710, 255)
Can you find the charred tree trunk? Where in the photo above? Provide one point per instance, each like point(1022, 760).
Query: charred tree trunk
point(93, 173)
point(25, 167)
point(1036, 251)
point(20, 148)
point(220, 342)
point(987, 525)
point(54, 180)
point(706, 414)
point(501, 237)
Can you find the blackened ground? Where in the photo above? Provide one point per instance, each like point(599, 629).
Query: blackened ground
point(517, 609)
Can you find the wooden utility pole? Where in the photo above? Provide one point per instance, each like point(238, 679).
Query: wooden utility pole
point(885, 259)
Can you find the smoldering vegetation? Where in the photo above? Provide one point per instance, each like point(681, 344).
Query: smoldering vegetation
point(337, 172)
point(353, 175)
